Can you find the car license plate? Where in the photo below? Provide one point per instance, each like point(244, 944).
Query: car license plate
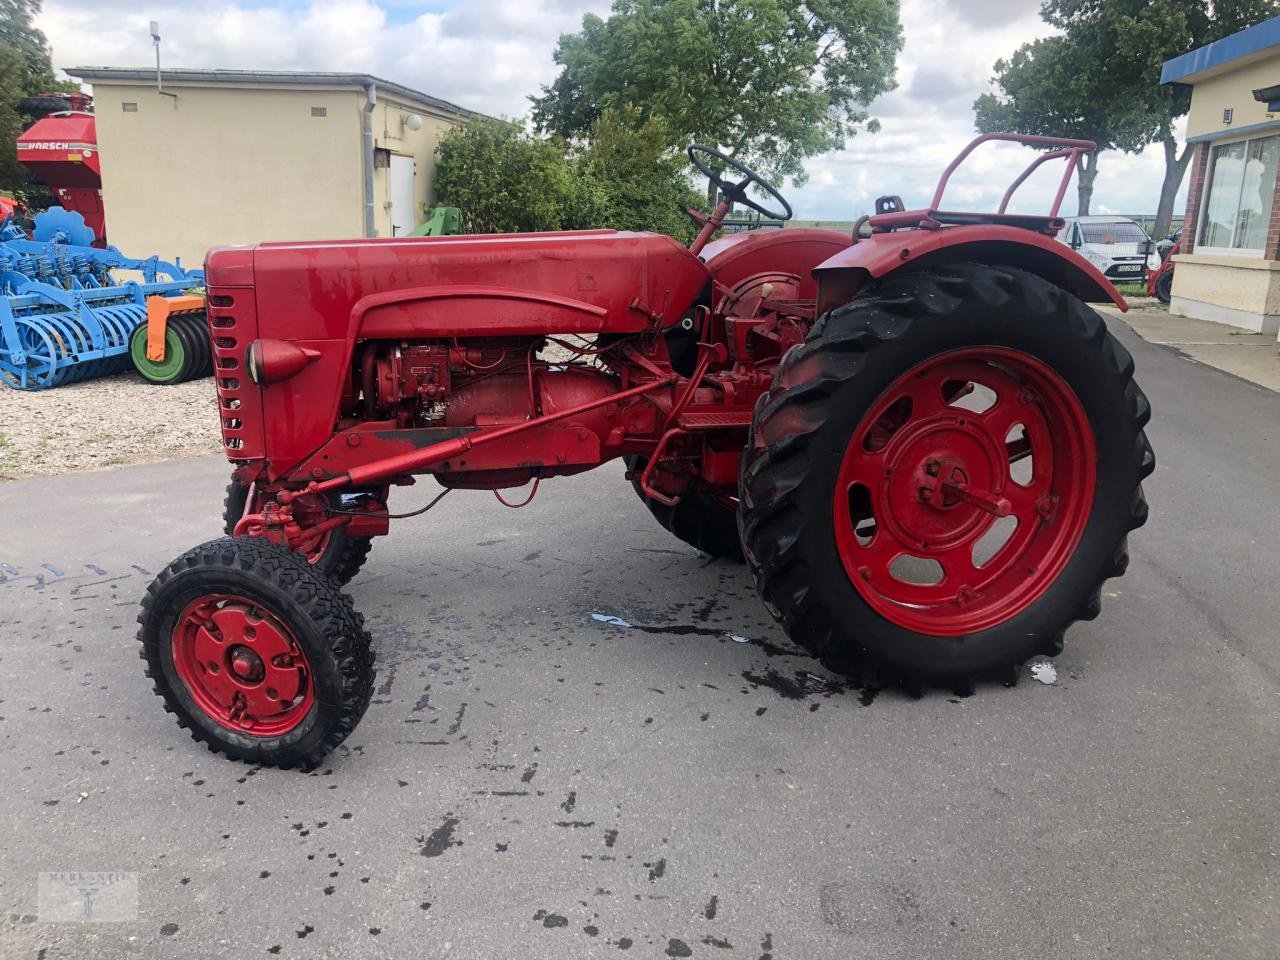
point(1128, 268)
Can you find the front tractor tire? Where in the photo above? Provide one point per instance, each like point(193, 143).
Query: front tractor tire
point(942, 477)
point(258, 655)
point(338, 555)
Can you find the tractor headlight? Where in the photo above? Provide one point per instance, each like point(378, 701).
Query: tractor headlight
point(253, 361)
point(270, 361)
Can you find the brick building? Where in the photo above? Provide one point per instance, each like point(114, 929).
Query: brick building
point(1229, 266)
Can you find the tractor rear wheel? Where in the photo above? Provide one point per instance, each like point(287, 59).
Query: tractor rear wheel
point(699, 519)
point(258, 655)
point(942, 477)
point(338, 555)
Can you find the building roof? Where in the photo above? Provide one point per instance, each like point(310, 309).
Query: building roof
point(258, 78)
point(1251, 44)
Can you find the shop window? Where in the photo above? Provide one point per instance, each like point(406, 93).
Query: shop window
point(1238, 191)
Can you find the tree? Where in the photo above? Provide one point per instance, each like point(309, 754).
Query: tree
point(770, 82)
point(1132, 39)
point(12, 173)
point(1100, 78)
point(628, 179)
point(504, 180)
point(1055, 87)
point(25, 70)
point(19, 35)
point(623, 176)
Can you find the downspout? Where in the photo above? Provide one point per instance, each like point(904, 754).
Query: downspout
point(370, 101)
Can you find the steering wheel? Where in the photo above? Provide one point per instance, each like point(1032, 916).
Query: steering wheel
point(737, 192)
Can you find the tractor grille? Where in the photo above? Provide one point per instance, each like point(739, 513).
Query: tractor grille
point(233, 325)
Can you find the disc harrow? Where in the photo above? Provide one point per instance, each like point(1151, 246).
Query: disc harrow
point(66, 315)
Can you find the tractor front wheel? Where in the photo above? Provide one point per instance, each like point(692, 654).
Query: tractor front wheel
point(337, 554)
point(1164, 286)
point(258, 655)
point(943, 475)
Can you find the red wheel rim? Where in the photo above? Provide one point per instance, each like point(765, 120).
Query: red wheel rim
point(242, 666)
point(314, 551)
point(952, 450)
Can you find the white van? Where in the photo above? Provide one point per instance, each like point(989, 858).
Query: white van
point(1117, 246)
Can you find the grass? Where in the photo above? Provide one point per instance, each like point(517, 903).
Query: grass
point(1132, 289)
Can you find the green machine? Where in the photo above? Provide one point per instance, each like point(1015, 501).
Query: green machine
point(441, 222)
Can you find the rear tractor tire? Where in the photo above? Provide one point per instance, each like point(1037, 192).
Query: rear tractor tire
point(698, 519)
point(257, 654)
point(338, 556)
point(942, 477)
point(187, 354)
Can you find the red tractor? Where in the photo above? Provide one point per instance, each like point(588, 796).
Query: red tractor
point(926, 447)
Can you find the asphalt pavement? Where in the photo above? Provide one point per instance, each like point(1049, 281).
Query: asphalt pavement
point(532, 781)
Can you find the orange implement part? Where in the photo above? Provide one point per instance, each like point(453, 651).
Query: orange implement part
point(159, 310)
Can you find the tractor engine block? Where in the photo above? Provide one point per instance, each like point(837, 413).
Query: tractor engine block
point(465, 386)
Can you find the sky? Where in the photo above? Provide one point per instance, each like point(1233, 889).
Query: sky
point(490, 55)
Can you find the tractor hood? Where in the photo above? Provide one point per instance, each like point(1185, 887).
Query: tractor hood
point(324, 296)
point(589, 281)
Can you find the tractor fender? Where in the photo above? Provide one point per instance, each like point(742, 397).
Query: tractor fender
point(794, 250)
point(841, 276)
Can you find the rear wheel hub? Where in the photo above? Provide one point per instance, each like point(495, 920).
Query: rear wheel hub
point(964, 491)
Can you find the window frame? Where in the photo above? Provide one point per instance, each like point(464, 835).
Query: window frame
point(1256, 253)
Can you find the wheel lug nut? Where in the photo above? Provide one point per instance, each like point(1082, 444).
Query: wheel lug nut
point(932, 468)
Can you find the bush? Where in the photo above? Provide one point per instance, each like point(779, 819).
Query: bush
point(626, 177)
point(502, 179)
point(629, 178)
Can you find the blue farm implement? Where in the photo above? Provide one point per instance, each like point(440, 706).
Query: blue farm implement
point(66, 315)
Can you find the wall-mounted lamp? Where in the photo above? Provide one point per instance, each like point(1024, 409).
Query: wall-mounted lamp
point(411, 121)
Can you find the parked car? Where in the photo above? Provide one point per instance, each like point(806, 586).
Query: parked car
point(1117, 246)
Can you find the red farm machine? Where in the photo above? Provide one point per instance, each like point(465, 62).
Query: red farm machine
point(71, 306)
point(925, 445)
point(61, 151)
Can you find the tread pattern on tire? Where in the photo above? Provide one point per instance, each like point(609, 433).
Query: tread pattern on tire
point(841, 346)
point(327, 608)
point(697, 519)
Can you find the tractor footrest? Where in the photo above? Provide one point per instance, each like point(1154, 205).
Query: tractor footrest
point(719, 420)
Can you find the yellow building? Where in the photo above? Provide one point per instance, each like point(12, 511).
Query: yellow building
point(213, 157)
point(1229, 266)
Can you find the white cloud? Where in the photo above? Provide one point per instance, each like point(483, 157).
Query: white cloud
point(490, 55)
point(484, 54)
point(946, 63)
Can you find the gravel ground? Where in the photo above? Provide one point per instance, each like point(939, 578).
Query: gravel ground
point(104, 423)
